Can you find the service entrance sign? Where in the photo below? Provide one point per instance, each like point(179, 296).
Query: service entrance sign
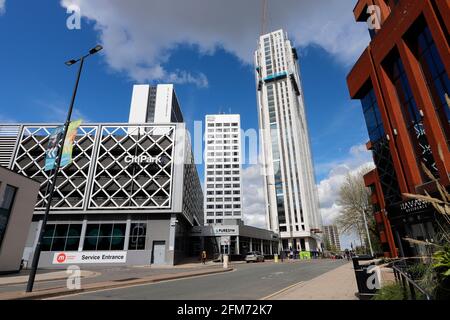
point(86, 257)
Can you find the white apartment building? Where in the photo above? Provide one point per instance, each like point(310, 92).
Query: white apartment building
point(223, 189)
point(331, 234)
point(154, 104)
point(290, 188)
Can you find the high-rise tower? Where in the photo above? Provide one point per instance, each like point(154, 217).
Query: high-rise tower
point(223, 169)
point(290, 189)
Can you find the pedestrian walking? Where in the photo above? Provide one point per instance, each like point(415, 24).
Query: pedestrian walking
point(204, 257)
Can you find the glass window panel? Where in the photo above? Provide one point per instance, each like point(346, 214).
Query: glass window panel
point(72, 244)
point(90, 243)
point(117, 243)
point(92, 230)
point(106, 230)
point(58, 244)
point(61, 230)
point(104, 243)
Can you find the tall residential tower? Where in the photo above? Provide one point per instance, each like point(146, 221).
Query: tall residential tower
point(290, 190)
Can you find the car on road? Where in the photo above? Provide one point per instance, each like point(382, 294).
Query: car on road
point(254, 256)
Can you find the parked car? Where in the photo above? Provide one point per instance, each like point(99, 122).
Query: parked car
point(254, 256)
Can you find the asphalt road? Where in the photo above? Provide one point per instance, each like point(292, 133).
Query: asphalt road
point(248, 281)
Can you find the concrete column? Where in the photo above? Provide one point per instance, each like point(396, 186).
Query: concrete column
point(127, 234)
point(251, 244)
point(262, 246)
point(307, 247)
point(82, 235)
point(237, 245)
point(271, 247)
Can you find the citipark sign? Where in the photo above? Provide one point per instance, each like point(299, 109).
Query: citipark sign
point(142, 159)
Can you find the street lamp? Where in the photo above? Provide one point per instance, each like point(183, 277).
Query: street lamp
point(37, 251)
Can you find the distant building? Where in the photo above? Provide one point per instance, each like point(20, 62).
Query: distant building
point(154, 104)
point(331, 237)
point(223, 189)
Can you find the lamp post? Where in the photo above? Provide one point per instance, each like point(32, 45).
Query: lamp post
point(37, 251)
point(367, 231)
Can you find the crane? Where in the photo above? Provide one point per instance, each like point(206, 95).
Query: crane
point(264, 16)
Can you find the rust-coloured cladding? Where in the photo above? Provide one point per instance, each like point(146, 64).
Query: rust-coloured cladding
point(358, 75)
point(388, 38)
point(386, 236)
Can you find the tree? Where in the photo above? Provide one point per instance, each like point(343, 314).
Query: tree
point(354, 198)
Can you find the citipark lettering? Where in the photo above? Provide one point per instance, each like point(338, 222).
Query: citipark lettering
point(90, 257)
point(143, 159)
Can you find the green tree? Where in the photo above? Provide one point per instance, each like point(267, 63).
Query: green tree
point(354, 198)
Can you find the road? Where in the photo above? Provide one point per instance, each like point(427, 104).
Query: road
point(248, 281)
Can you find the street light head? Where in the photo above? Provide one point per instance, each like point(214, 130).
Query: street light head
point(70, 62)
point(96, 49)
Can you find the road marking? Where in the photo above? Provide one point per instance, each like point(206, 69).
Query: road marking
point(136, 285)
point(281, 291)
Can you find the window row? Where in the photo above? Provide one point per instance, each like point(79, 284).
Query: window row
point(103, 236)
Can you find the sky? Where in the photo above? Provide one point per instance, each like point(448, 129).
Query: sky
point(204, 47)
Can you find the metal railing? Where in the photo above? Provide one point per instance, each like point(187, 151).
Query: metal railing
point(411, 289)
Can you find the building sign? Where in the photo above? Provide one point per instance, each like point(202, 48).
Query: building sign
point(142, 159)
point(414, 206)
point(83, 257)
point(408, 208)
point(225, 230)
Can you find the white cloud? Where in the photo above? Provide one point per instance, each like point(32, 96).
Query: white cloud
point(140, 36)
point(2, 6)
point(328, 188)
point(253, 197)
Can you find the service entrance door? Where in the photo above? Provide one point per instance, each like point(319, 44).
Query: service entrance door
point(159, 252)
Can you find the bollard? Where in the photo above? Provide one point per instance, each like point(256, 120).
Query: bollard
point(275, 257)
point(225, 261)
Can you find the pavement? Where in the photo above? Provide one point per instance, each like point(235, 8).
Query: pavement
point(246, 282)
point(337, 284)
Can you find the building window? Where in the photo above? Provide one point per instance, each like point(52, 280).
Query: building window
point(138, 233)
point(411, 114)
point(436, 77)
point(372, 116)
point(5, 209)
point(61, 237)
point(105, 237)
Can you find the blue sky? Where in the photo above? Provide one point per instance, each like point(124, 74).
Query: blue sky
point(35, 85)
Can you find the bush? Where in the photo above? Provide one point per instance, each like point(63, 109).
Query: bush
point(390, 292)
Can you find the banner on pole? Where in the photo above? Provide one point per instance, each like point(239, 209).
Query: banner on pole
point(52, 148)
point(66, 157)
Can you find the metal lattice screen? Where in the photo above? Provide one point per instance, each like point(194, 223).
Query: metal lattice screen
point(71, 185)
point(388, 178)
point(121, 184)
